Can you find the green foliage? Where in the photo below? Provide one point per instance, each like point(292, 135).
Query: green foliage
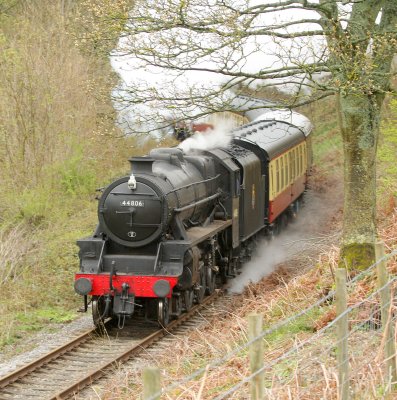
point(45, 315)
point(301, 325)
point(56, 135)
point(33, 205)
point(76, 175)
point(327, 141)
point(33, 321)
point(64, 185)
point(387, 152)
point(104, 20)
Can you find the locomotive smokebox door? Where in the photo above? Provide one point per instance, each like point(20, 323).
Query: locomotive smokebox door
point(132, 218)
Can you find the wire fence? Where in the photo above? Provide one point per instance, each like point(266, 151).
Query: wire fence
point(300, 363)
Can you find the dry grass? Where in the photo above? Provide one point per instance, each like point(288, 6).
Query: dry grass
point(16, 247)
point(301, 358)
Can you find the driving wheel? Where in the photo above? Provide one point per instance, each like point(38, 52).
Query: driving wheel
point(163, 312)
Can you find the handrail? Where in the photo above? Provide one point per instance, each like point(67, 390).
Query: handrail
point(192, 184)
point(197, 203)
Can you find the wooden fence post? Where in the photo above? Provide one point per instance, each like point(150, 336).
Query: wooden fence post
point(342, 335)
point(386, 315)
point(151, 384)
point(256, 354)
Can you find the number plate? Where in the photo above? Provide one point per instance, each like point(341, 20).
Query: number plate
point(132, 203)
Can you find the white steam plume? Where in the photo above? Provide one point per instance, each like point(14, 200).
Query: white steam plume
point(220, 136)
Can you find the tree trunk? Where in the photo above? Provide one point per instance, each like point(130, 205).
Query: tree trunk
point(359, 121)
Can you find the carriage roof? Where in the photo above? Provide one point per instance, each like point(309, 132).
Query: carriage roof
point(275, 131)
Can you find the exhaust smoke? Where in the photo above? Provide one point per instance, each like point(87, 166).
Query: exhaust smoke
point(302, 235)
point(210, 139)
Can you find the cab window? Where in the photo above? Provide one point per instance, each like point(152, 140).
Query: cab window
point(237, 183)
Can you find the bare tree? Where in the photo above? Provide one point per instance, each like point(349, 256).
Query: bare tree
point(318, 47)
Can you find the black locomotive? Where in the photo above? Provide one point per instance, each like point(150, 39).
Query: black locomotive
point(181, 223)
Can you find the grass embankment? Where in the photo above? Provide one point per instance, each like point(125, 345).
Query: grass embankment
point(58, 143)
point(310, 371)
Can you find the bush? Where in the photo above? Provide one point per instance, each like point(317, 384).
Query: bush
point(76, 175)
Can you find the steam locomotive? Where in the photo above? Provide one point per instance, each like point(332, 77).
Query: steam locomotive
point(180, 224)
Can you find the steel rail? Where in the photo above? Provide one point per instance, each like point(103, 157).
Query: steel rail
point(135, 349)
point(53, 355)
point(90, 377)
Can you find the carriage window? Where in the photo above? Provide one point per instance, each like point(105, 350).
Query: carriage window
point(302, 162)
point(286, 169)
point(277, 176)
point(293, 164)
point(282, 172)
point(300, 159)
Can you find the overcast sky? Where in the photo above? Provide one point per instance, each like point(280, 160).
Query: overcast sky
point(260, 52)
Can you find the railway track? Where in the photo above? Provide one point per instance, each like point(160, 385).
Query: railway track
point(68, 369)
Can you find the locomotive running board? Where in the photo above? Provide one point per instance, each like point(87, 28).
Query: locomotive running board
point(170, 260)
point(198, 234)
